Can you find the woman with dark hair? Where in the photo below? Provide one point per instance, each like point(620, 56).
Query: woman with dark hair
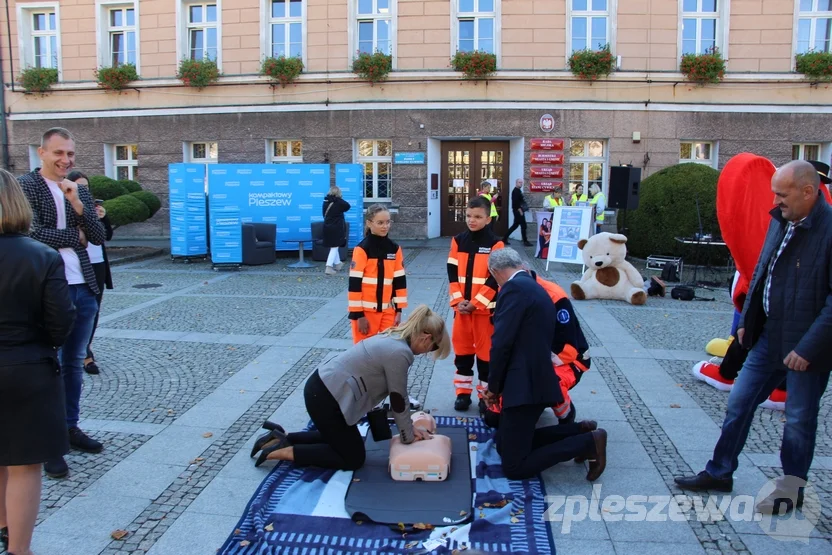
point(36, 317)
point(100, 264)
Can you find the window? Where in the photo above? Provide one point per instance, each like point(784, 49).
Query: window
point(199, 30)
point(697, 152)
point(806, 152)
point(39, 35)
point(587, 163)
point(122, 36)
point(201, 153)
point(377, 159)
point(701, 25)
point(34, 158)
point(126, 162)
point(589, 24)
point(374, 26)
point(286, 152)
point(285, 28)
point(476, 27)
point(814, 26)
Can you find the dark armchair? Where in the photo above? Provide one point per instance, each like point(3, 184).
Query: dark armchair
point(259, 243)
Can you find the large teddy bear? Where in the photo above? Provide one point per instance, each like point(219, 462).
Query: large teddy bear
point(608, 274)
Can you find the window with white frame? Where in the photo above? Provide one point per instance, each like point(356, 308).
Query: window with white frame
point(374, 26)
point(202, 153)
point(39, 35)
point(476, 25)
point(286, 28)
point(814, 26)
point(121, 35)
point(286, 152)
point(201, 39)
point(589, 24)
point(587, 163)
point(126, 162)
point(805, 151)
point(701, 26)
point(34, 158)
point(697, 152)
point(376, 157)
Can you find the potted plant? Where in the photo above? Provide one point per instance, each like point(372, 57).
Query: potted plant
point(476, 64)
point(116, 78)
point(592, 64)
point(708, 67)
point(815, 65)
point(198, 73)
point(373, 67)
point(282, 69)
point(38, 79)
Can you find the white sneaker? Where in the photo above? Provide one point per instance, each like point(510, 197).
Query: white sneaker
point(339, 266)
point(330, 271)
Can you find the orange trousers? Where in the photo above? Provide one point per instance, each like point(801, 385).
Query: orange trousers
point(379, 321)
point(471, 339)
point(567, 382)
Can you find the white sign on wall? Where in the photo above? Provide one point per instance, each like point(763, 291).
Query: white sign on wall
point(570, 224)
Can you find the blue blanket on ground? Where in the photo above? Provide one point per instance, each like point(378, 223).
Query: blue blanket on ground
point(301, 510)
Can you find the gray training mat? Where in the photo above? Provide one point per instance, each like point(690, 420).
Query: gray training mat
point(373, 495)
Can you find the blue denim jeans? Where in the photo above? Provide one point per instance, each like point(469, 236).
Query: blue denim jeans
point(754, 384)
point(74, 349)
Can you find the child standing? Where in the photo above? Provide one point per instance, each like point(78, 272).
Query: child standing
point(378, 286)
point(472, 289)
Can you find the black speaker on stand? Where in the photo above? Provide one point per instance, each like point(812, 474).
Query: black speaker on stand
point(624, 188)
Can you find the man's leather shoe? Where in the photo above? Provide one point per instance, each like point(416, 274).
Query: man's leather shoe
point(704, 481)
point(780, 502)
point(597, 466)
point(56, 469)
point(82, 442)
point(462, 402)
point(586, 426)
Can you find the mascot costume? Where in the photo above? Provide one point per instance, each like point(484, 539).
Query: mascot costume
point(743, 202)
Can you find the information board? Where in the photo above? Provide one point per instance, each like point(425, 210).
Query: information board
point(188, 225)
point(570, 225)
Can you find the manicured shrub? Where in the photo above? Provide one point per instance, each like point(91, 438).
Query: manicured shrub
point(152, 201)
point(126, 209)
point(129, 185)
point(105, 188)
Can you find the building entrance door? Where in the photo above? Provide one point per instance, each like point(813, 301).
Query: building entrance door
point(466, 164)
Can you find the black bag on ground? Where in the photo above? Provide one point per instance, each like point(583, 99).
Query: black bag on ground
point(683, 293)
point(669, 272)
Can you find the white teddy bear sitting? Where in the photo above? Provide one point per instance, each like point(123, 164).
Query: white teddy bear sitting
point(608, 274)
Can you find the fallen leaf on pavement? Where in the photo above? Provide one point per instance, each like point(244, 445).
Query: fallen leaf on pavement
point(514, 520)
point(119, 534)
point(472, 436)
point(244, 543)
point(269, 527)
point(401, 525)
point(593, 391)
point(675, 406)
point(237, 532)
point(207, 434)
point(422, 526)
point(356, 479)
point(462, 513)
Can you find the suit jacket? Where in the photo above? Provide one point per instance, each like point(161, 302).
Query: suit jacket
point(45, 222)
point(522, 345)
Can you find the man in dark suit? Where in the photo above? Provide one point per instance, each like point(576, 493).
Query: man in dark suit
point(518, 208)
point(521, 372)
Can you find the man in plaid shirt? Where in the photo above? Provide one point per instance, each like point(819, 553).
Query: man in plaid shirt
point(65, 219)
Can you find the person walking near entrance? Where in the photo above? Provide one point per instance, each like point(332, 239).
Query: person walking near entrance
point(785, 322)
point(36, 316)
point(377, 286)
point(519, 207)
point(599, 201)
point(335, 228)
point(578, 196)
point(472, 289)
point(487, 194)
point(65, 219)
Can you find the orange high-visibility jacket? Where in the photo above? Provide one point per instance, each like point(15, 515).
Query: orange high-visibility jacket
point(377, 280)
point(468, 274)
point(569, 337)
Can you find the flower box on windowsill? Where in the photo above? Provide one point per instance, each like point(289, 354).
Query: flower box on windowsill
point(592, 64)
point(198, 73)
point(116, 78)
point(281, 69)
point(708, 67)
point(373, 67)
point(38, 79)
point(475, 65)
point(815, 65)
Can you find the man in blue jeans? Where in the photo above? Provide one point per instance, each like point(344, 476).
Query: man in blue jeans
point(787, 324)
point(65, 219)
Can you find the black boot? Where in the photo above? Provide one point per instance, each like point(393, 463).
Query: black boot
point(463, 401)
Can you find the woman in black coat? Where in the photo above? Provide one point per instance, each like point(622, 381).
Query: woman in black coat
point(36, 316)
point(335, 228)
point(100, 265)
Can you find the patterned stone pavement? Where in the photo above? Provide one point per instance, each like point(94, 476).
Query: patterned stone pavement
point(194, 360)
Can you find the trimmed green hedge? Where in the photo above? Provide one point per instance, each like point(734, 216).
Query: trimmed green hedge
point(104, 188)
point(129, 185)
point(667, 209)
point(149, 199)
point(126, 209)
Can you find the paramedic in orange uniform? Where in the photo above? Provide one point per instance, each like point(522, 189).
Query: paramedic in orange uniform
point(378, 287)
point(472, 289)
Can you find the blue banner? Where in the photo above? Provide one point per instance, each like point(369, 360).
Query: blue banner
point(288, 195)
point(408, 157)
point(188, 229)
